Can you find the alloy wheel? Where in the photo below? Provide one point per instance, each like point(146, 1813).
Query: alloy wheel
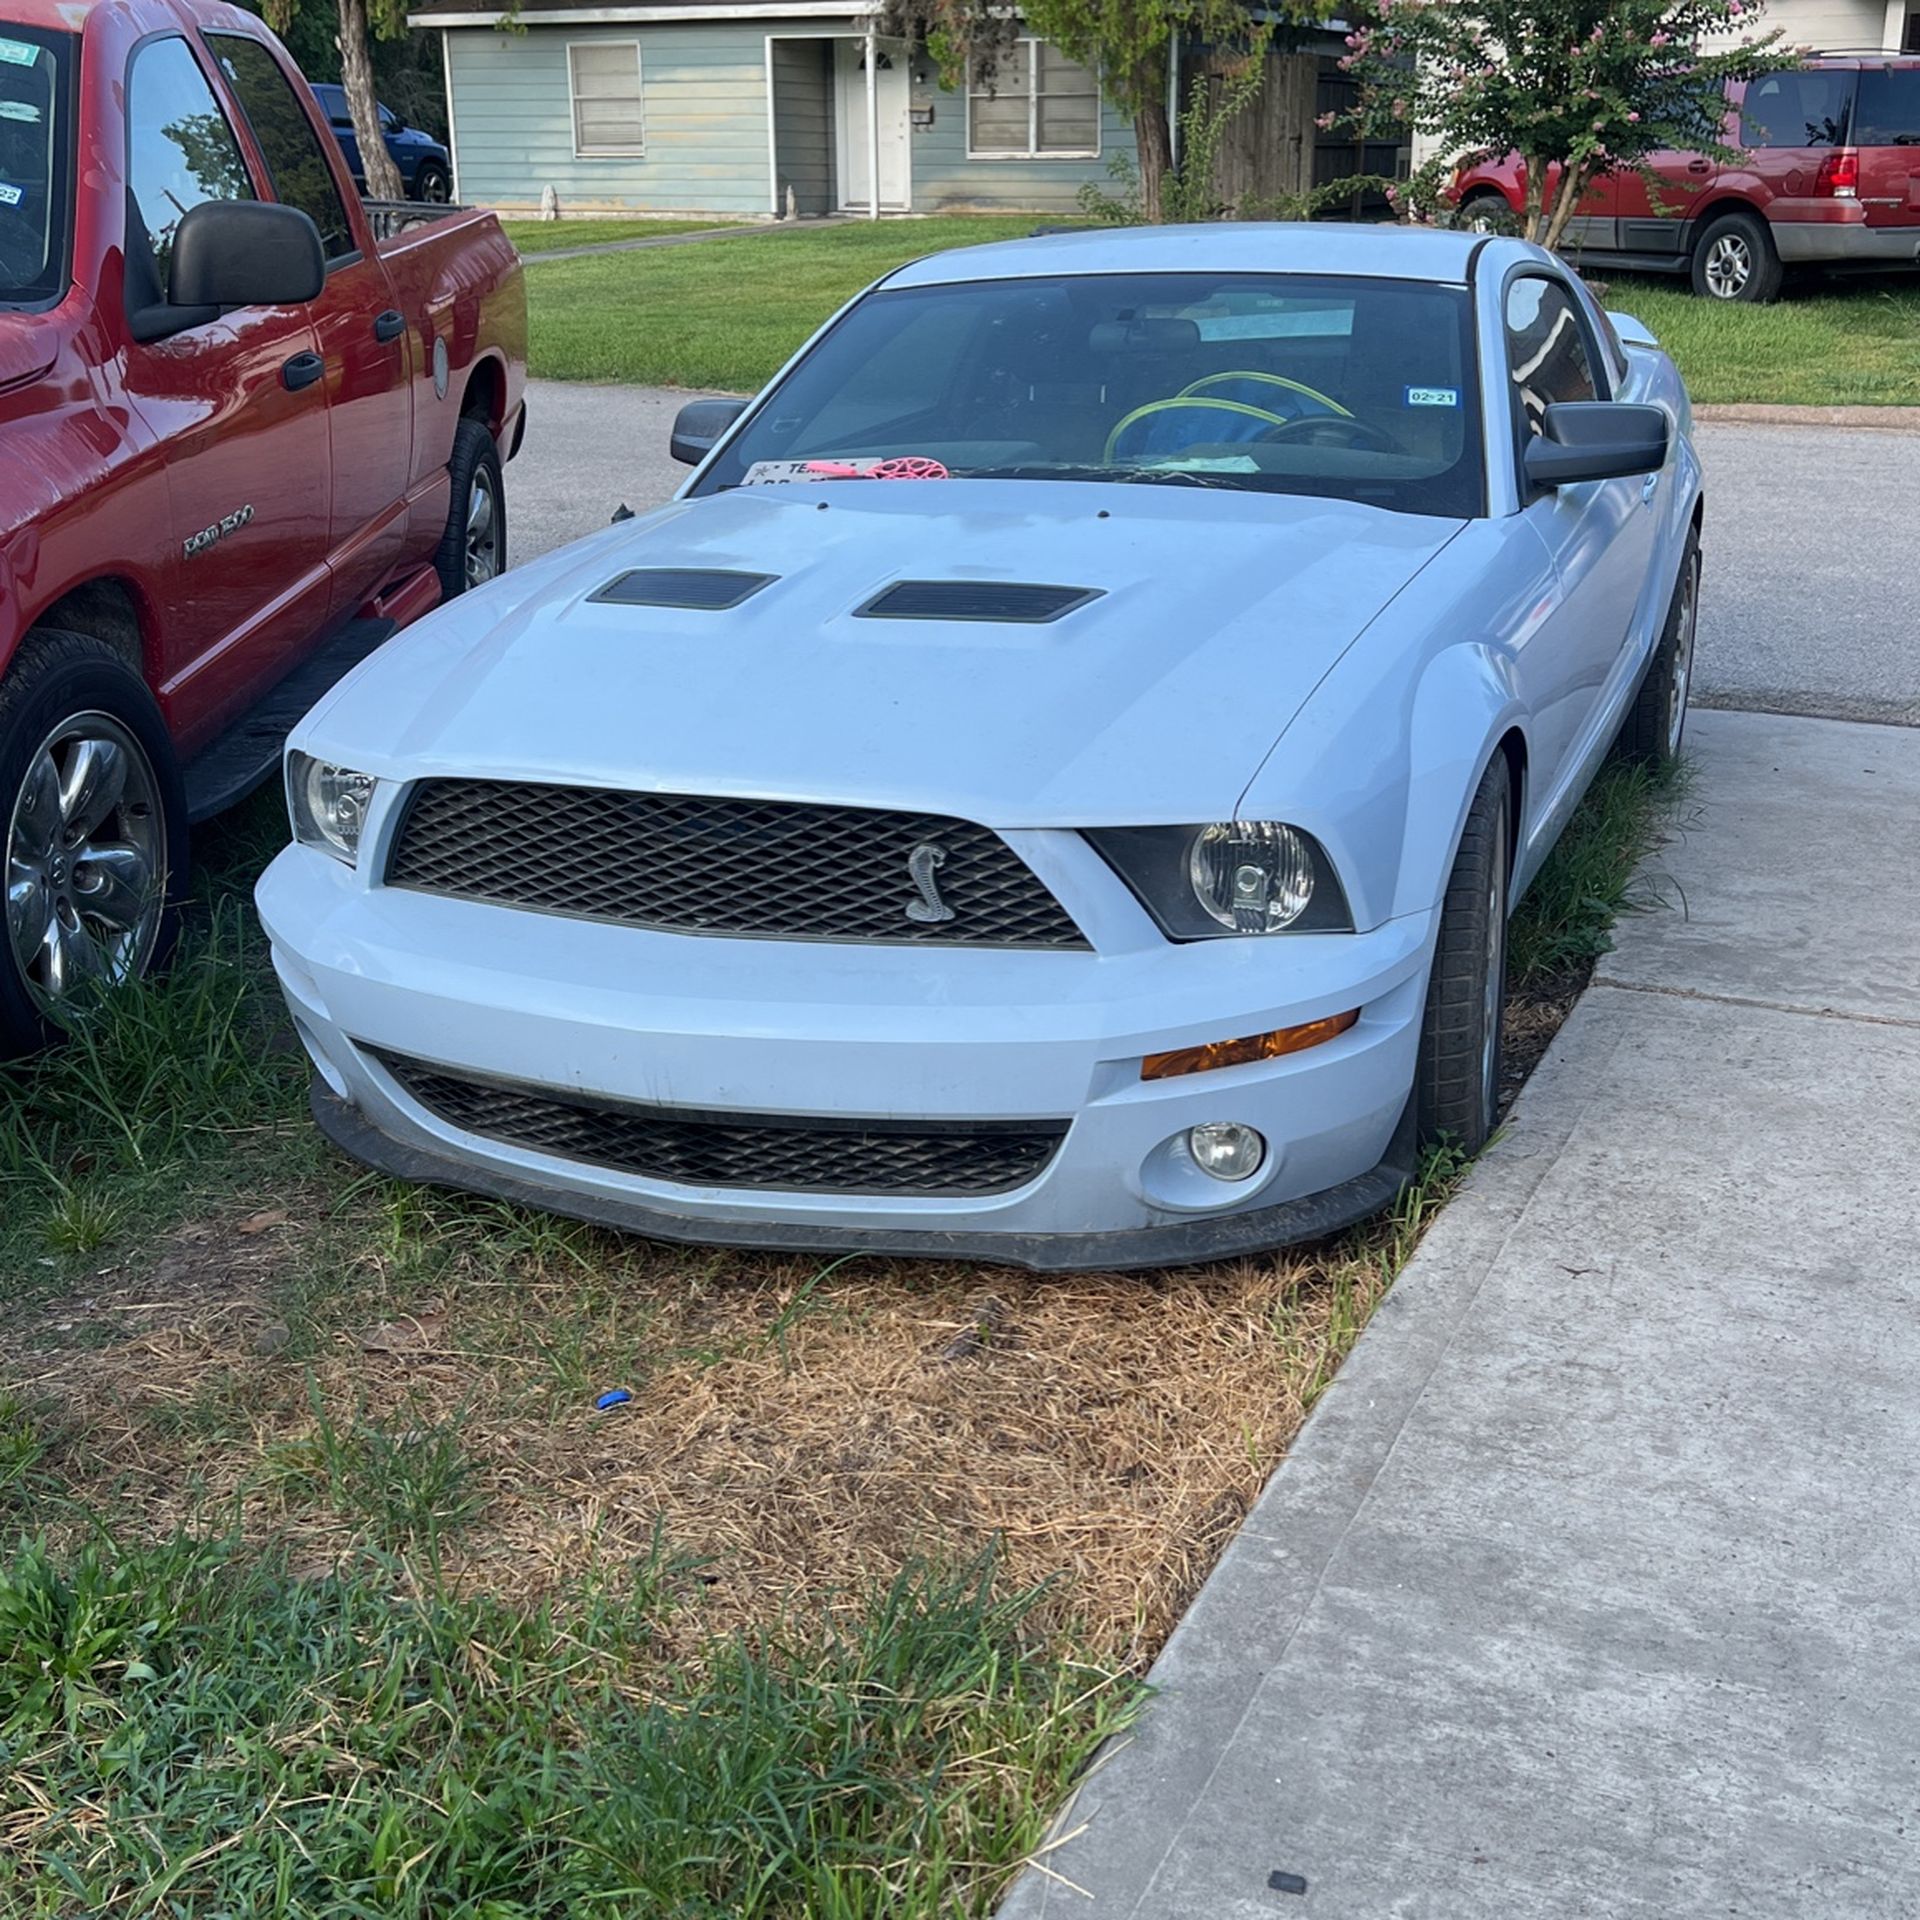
point(1681, 678)
point(483, 541)
point(1729, 266)
point(86, 867)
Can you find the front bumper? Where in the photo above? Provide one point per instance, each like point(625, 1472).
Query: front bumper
point(832, 1032)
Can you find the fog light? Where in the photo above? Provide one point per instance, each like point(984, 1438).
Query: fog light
point(1226, 1150)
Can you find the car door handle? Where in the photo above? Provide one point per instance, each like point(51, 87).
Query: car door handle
point(302, 371)
point(390, 325)
point(1699, 166)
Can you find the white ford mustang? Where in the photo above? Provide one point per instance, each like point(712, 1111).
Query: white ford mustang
point(1050, 788)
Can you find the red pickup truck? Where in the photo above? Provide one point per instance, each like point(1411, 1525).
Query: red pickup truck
point(1827, 175)
point(244, 435)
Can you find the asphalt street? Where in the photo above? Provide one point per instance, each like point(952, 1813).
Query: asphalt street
point(1810, 603)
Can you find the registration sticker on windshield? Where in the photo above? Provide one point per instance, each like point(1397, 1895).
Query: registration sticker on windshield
point(1433, 396)
point(9, 196)
point(18, 53)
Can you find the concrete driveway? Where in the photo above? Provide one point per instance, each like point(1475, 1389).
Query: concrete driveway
point(1810, 604)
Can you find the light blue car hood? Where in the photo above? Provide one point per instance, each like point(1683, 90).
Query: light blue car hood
point(1218, 614)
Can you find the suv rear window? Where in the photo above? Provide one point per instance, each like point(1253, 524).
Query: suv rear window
point(1804, 108)
point(1888, 112)
point(36, 164)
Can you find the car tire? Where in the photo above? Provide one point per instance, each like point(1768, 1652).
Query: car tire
point(1457, 1083)
point(473, 549)
point(1487, 212)
point(94, 869)
point(431, 184)
point(1656, 723)
point(1734, 261)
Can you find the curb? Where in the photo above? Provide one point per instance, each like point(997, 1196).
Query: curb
point(1854, 419)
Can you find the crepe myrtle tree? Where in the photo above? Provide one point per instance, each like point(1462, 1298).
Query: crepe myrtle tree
point(1576, 88)
point(360, 22)
point(1128, 43)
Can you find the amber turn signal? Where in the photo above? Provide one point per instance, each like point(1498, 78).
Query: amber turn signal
point(1238, 1053)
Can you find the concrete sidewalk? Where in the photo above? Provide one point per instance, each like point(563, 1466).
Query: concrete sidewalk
point(1591, 1587)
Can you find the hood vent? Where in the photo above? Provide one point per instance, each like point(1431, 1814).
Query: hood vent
point(692, 589)
point(1005, 601)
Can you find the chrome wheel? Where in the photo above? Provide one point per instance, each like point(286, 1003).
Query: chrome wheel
point(484, 528)
point(434, 189)
point(1680, 678)
point(86, 865)
point(1729, 266)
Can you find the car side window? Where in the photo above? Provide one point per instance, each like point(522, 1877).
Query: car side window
point(181, 151)
point(288, 141)
point(1807, 107)
point(1546, 350)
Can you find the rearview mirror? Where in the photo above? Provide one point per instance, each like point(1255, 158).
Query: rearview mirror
point(1596, 440)
point(245, 253)
point(697, 428)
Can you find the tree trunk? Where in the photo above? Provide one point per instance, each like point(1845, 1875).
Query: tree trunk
point(356, 76)
point(1154, 139)
point(1574, 182)
point(1536, 171)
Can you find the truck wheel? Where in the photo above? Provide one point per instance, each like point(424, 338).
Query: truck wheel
point(474, 547)
point(93, 834)
point(1734, 260)
point(1457, 1084)
point(1487, 212)
point(430, 183)
point(1650, 735)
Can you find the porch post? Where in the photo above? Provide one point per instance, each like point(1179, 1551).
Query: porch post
point(1173, 98)
point(873, 125)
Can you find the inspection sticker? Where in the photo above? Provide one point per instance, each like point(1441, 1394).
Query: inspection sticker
point(9, 196)
point(18, 53)
point(1433, 396)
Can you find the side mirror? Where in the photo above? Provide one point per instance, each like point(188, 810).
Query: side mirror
point(1596, 440)
point(697, 428)
point(245, 253)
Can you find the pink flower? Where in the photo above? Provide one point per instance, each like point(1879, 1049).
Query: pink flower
point(1633, 119)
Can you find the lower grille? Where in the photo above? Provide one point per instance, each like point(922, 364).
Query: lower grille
point(793, 1153)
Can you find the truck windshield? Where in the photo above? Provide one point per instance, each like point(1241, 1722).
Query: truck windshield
point(1354, 389)
point(36, 164)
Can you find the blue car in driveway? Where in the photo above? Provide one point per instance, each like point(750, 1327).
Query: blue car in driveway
point(1051, 787)
point(426, 167)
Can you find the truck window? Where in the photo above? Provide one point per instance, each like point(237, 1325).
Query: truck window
point(1889, 110)
point(291, 147)
point(36, 164)
point(1805, 107)
point(180, 149)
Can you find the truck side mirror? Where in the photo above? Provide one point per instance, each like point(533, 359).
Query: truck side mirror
point(697, 428)
point(245, 253)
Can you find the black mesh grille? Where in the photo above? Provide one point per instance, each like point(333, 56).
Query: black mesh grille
point(1002, 600)
point(735, 1150)
point(746, 867)
point(694, 589)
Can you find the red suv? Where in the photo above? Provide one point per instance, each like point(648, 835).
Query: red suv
point(1829, 176)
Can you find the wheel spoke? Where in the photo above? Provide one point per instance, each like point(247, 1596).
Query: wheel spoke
point(113, 884)
point(73, 961)
point(36, 819)
point(95, 780)
point(28, 909)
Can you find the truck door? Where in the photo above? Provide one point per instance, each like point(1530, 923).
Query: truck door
point(363, 337)
point(237, 402)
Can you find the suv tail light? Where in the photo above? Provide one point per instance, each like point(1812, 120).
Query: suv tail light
point(1839, 175)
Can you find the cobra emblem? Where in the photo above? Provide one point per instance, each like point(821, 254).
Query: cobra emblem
point(922, 864)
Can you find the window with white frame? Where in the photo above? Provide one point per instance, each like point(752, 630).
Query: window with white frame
point(1042, 106)
point(604, 76)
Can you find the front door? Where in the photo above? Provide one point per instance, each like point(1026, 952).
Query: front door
point(855, 127)
point(239, 404)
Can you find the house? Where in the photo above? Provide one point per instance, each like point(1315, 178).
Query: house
point(1847, 26)
point(733, 107)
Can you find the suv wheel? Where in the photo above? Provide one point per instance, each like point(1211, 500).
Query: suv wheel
point(93, 834)
point(430, 183)
point(1734, 260)
point(473, 549)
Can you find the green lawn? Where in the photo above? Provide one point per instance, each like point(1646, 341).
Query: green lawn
point(1834, 344)
point(727, 313)
point(543, 236)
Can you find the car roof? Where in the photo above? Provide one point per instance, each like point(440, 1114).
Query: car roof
point(1246, 246)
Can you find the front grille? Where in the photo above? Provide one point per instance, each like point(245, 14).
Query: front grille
point(789, 1152)
point(747, 867)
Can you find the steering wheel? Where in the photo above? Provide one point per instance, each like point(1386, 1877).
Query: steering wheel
point(1231, 421)
point(1356, 433)
point(1272, 392)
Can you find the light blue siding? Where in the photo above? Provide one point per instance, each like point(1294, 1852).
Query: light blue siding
point(704, 110)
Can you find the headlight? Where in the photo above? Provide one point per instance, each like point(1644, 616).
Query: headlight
point(1233, 877)
point(327, 805)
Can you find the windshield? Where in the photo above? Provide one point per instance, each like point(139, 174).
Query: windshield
point(1267, 383)
point(35, 164)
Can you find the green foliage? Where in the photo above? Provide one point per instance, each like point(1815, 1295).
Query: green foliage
point(1575, 87)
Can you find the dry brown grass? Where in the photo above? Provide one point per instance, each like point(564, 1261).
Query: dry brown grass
point(802, 1430)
